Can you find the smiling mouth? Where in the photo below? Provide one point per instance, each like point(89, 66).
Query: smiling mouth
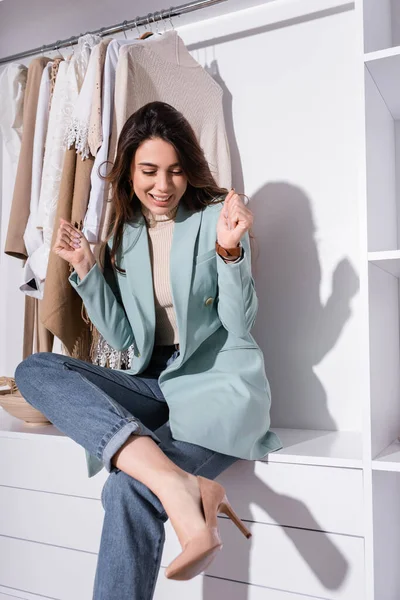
point(159, 198)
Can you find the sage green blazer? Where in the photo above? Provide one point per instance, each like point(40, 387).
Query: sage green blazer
point(217, 390)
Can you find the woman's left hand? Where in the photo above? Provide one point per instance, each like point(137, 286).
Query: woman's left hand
point(235, 219)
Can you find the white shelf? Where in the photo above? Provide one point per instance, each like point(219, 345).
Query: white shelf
point(301, 446)
point(323, 448)
point(389, 459)
point(384, 66)
point(381, 54)
point(12, 427)
point(388, 260)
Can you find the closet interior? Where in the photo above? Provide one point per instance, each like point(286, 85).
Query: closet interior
point(312, 111)
point(382, 114)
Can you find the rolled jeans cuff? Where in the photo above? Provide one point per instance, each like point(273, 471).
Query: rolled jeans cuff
point(117, 436)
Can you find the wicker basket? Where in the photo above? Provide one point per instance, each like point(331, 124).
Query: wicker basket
point(13, 403)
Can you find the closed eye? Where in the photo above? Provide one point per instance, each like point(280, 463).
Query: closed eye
point(154, 172)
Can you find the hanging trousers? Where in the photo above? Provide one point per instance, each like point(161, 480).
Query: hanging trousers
point(99, 408)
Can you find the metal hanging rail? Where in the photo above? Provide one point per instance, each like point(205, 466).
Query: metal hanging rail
point(155, 17)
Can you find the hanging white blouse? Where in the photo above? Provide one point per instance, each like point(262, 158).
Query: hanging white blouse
point(91, 224)
point(12, 91)
point(78, 129)
point(69, 79)
point(92, 221)
point(33, 237)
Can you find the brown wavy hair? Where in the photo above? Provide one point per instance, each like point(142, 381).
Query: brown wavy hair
point(163, 121)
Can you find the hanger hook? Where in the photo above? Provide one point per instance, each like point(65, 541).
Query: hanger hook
point(163, 19)
point(136, 25)
point(170, 20)
point(57, 48)
point(155, 22)
point(124, 24)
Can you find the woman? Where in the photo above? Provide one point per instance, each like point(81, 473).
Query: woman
point(179, 289)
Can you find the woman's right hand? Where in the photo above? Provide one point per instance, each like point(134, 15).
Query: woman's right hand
point(72, 246)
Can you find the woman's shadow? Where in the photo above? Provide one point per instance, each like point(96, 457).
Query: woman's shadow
point(318, 550)
point(295, 330)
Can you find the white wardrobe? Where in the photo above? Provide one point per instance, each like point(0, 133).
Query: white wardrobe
point(312, 98)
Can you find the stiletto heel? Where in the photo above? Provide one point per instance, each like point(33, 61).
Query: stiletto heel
point(199, 552)
point(227, 510)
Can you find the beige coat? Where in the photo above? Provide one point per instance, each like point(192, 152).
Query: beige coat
point(62, 307)
point(20, 207)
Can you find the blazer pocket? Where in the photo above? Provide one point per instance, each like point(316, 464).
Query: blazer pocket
point(205, 256)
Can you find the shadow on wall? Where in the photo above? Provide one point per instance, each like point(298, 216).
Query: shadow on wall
point(294, 328)
point(236, 164)
point(315, 547)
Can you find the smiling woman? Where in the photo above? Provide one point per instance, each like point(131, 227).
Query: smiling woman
point(177, 287)
point(159, 185)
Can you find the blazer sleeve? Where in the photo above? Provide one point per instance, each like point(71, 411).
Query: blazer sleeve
point(237, 299)
point(102, 299)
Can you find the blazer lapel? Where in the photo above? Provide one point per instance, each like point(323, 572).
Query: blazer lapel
point(140, 279)
point(184, 238)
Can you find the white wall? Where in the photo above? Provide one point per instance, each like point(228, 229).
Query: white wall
point(290, 103)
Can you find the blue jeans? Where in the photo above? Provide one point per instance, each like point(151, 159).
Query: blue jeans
point(99, 408)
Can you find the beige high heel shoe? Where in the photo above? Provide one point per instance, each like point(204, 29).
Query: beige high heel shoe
point(200, 551)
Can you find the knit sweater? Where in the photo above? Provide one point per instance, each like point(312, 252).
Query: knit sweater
point(160, 230)
point(161, 68)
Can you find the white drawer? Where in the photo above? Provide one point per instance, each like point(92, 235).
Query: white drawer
point(311, 497)
point(10, 594)
point(67, 521)
point(47, 570)
point(329, 566)
point(48, 463)
point(321, 565)
point(210, 588)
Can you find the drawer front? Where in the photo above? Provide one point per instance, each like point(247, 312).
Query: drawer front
point(329, 566)
point(48, 571)
point(210, 588)
point(318, 498)
point(321, 565)
point(56, 519)
point(10, 594)
point(48, 464)
point(309, 497)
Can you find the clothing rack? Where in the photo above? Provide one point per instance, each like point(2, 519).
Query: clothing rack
point(155, 17)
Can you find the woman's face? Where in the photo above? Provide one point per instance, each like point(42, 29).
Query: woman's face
point(157, 177)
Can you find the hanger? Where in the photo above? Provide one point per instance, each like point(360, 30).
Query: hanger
point(59, 51)
point(146, 34)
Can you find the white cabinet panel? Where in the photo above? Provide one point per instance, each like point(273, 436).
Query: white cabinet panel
point(299, 561)
point(12, 594)
point(303, 496)
point(67, 521)
point(321, 565)
point(47, 463)
point(211, 588)
point(47, 570)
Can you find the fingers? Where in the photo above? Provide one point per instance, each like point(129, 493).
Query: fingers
point(236, 213)
point(68, 237)
point(70, 228)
